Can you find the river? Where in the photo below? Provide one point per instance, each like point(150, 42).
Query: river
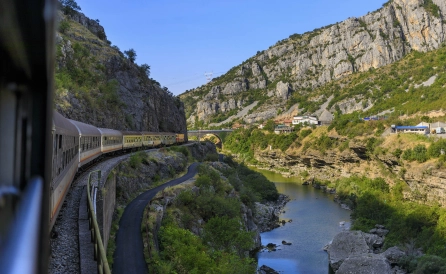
point(316, 219)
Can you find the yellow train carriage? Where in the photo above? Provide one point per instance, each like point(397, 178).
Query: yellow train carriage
point(150, 139)
point(168, 138)
point(180, 138)
point(131, 139)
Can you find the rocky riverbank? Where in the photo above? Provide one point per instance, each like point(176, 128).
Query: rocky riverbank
point(267, 214)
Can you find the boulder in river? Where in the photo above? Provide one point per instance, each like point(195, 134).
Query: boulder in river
point(285, 243)
point(266, 270)
point(359, 252)
point(365, 263)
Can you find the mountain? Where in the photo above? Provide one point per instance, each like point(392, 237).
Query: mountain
point(307, 73)
point(97, 84)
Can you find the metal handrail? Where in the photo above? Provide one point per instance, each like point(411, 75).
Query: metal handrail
point(99, 250)
point(21, 251)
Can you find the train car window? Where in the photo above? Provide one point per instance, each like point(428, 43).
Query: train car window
point(55, 144)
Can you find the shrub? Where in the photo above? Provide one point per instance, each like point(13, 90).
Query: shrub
point(136, 159)
point(211, 157)
point(227, 234)
point(435, 148)
point(185, 198)
point(182, 149)
point(64, 26)
point(418, 153)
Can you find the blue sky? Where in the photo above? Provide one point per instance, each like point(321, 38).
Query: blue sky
point(181, 40)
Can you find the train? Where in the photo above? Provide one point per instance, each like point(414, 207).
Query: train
point(76, 144)
point(41, 150)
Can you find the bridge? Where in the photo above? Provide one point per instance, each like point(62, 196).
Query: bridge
point(202, 134)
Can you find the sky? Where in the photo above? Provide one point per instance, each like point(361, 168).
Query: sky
point(181, 40)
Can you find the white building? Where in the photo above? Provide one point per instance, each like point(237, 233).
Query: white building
point(410, 129)
point(311, 120)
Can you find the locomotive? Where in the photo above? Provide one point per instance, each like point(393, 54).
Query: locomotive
point(76, 144)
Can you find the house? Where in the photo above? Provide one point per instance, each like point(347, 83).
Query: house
point(237, 126)
point(288, 122)
point(410, 129)
point(261, 126)
point(283, 129)
point(311, 120)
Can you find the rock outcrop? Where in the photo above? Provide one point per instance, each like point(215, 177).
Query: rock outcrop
point(306, 61)
point(267, 215)
point(359, 252)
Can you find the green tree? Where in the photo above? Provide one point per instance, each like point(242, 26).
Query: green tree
point(270, 125)
point(131, 55)
point(69, 7)
point(227, 234)
point(145, 69)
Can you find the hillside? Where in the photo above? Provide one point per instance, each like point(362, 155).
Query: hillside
point(97, 84)
point(330, 67)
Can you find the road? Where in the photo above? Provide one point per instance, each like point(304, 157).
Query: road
point(129, 256)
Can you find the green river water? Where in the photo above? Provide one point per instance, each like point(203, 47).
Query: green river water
point(316, 219)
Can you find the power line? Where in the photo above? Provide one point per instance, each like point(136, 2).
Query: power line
point(192, 78)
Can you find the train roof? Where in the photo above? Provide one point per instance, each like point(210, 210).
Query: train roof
point(131, 133)
point(154, 133)
point(86, 129)
point(62, 123)
point(110, 132)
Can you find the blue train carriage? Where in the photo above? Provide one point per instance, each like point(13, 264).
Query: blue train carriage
point(111, 140)
point(169, 138)
point(89, 142)
point(131, 140)
point(65, 150)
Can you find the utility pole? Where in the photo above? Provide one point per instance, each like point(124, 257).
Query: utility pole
point(208, 76)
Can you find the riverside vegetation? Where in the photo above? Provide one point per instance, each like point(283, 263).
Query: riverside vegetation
point(207, 225)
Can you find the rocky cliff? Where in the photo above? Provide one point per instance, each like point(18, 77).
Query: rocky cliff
point(97, 84)
point(426, 182)
point(296, 66)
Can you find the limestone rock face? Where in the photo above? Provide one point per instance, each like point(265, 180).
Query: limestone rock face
point(283, 90)
point(134, 102)
point(91, 25)
point(256, 70)
point(313, 59)
point(235, 87)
